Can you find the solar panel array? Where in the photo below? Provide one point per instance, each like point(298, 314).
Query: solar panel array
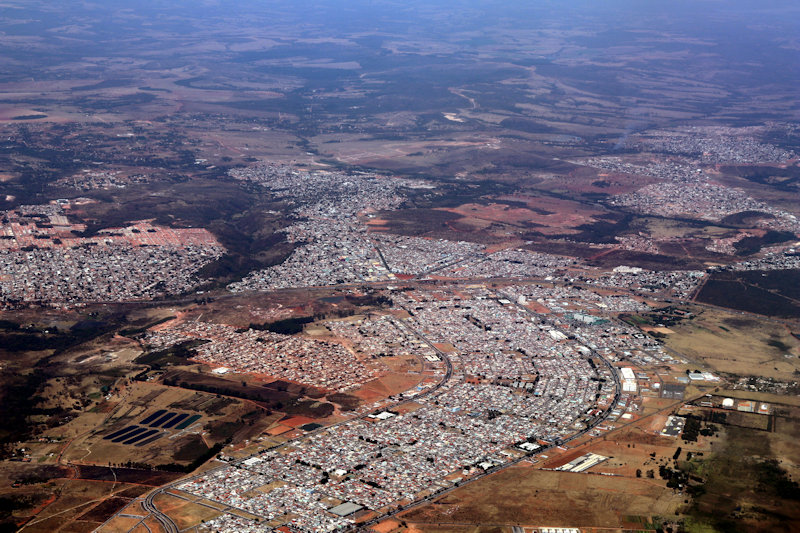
point(189, 421)
point(147, 431)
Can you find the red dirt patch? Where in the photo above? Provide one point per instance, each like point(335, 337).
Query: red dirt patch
point(297, 421)
point(278, 430)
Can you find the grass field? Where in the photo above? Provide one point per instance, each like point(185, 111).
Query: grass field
point(743, 491)
point(185, 513)
point(526, 496)
point(731, 343)
point(81, 507)
point(762, 397)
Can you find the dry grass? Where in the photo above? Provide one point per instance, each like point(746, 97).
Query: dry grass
point(527, 496)
point(728, 342)
point(76, 498)
point(185, 514)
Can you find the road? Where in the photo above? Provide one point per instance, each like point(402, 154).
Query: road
point(443, 356)
point(170, 527)
point(165, 521)
point(597, 421)
point(450, 263)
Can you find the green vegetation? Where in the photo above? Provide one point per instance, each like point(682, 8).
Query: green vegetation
point(9, 504)
point(275, 396)
point(740, 488)
point(198, 462)
point(14, 338)
point(782, 346)
point(29, 117)
point(694, 427)
point(193, 448)
point(138, 330)
point(18, 402)
point(773, 478)
point(752, 245)
point(174, 355)
point(771, 293)
point(635, 320)
point(287, 326)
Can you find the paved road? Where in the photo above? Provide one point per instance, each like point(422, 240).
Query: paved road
point(450, 263)
point(165, 521)
point(597, 421)
point(448, 364)
point(170, 527)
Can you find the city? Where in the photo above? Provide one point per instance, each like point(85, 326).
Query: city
point(399, 267)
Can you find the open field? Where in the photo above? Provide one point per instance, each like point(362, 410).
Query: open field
point(404, 375)
point(83, 506)
point(743, 490)
point(186, 513)
point(772, 293)
point(544, 215)
point(537, 497)
point(737, 345)
point(216, 419)
point(762, 397)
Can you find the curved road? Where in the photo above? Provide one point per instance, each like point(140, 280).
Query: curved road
point(599, 420)
point(170, 527)
point(165, 521)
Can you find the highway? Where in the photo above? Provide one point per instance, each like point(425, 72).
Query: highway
point(165, 521)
